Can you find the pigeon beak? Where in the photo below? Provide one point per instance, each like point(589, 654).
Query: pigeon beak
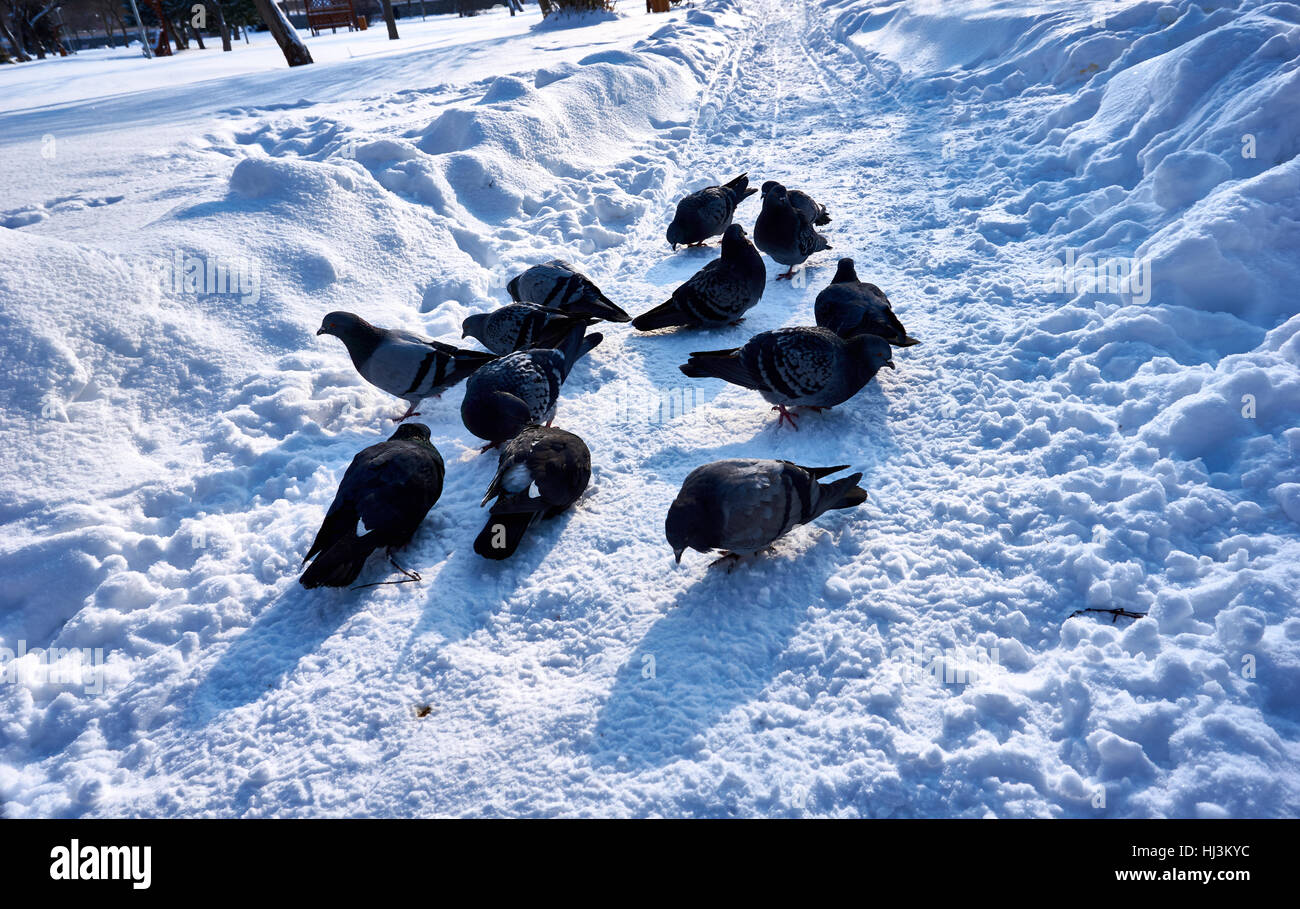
point(890, 364)
point(678, 554)
point(321, 330)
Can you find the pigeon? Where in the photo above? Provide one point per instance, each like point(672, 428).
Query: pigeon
point(851, 307)
point(521, 326)
point(806, 205)
point(743, 505)
point(559, 285)
point(803, 367)
point(784, 232)
point(385, 494)
point(707, 212)
point(719, 293)
point(542, 471)
point(399, 362)
point(520, 388)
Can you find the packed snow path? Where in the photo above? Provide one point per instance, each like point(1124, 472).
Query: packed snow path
point(588, 674)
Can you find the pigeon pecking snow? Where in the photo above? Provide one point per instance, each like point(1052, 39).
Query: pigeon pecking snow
point(719, 293)
point(559, 285)
point(807, 206)
point(707, 212)
point(384, 495)
point(851, 307)
point(801, 367)
point(399, 362)
point(521, 326)
point(542, 471)
point(743, 505)
point(521, 388)
point(785, 232)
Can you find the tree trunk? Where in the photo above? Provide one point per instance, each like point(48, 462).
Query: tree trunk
point(19, 51)
point(224, 30)
point(295, 52)
point(198, 37)
point(177, 32)
point(389, 20)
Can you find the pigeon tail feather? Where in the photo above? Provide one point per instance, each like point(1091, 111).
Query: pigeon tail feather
point(662, 316)
point(843, 493)
point(339, 565)
point(718, 364)
point(506, 529)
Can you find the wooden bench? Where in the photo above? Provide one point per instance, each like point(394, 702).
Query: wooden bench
point(331, 14)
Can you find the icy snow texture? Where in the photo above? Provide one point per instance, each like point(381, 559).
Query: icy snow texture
point(170, 453)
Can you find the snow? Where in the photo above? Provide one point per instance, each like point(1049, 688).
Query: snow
point(1064, 437)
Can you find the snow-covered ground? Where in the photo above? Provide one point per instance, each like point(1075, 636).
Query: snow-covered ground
point(1050, 446)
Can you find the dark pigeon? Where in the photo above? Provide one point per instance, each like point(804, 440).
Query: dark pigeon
point(809, 207)
point(744, 505)
point(521, 388)
point(851, 307)
point(719, 293)
point(385, 494)
point(784, 232)
point(521, 326)
point(541, 473)
point(399, 362)
point(559, 285)
point(800, 367)
point(707, 212)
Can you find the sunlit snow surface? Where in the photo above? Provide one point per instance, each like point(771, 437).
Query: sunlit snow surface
point(169, 453)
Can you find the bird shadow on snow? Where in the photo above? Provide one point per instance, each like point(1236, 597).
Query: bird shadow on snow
point(724, 638)
point(292, 627)
point(718, 646)
point(466, 584)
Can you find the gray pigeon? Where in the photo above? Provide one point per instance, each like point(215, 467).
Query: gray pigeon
point(521, 388)
point(521, 326)
point(559, 285)
point(784, 232)
point(719, 293)
point(384, 495)
point(542, 471)
point(743, 505)
point(807, 206)
point(851, 307)
point(802, 367)
point(399, 362)
point(707, 212)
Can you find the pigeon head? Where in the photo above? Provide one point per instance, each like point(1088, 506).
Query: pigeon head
point(512, 287)
point(343, 325)
point(734, 238)
point(686, 526)
point(774, 196)
point(845, 272)
point(496, 416)
point(358, 336)
point(674, 234)
point(872, 351)
point(412, 432)
point(474, 326)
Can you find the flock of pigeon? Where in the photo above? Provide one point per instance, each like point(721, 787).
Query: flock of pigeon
point(738, 505)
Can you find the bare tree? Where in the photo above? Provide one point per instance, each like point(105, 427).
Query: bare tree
point(295, 52)
point(389, 20)
point(20, 52)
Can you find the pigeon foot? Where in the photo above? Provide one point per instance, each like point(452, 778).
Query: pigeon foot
point(729, 559)
point(786, 414)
